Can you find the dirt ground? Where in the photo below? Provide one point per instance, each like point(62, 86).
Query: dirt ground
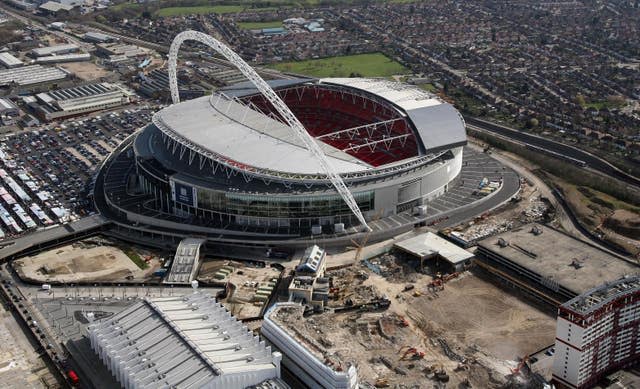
point(616, 221)
point(476, 312)
point(87, 71)
point(472, 329)
point(81, 261)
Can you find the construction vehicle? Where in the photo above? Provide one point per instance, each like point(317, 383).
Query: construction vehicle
point(417, 293)
point(402, 322)
point(382, 383)
point(517, 369)
point(411, 353)
point(439, 281)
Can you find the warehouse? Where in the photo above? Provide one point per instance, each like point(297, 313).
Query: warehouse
point(8, 108)
point(548, 263)
point(97, 37)
point(77, 57)
point(54, 50)
point(143, 345)
point(31, 74)
point(120, 49)
point(79, 100)
point(9, 61)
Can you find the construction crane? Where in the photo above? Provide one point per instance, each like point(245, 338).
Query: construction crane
point(365, 238)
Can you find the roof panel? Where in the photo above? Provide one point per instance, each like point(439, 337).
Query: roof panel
point(269, 144)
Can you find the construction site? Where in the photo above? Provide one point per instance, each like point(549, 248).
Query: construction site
point(400, 324)
point(527, 207)
point(248, 288)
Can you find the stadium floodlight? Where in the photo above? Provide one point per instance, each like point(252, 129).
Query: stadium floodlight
point(273, 98)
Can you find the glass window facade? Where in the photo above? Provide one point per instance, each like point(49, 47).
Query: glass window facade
point(281, 206)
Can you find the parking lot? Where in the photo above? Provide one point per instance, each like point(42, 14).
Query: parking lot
point(45, 174)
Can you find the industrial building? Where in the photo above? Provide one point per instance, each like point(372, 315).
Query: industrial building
point(9, 61)
point(155, 84)
point(8, 108)
point(302, 355)
point(597, 334)
point(308, 285)
point(549, 264)
point(31, 74)
point(63, 103)
point(54, 50)
point(98, 37)
point(74, 57)
point(120, 49)
point(432, 248)
point(182, 342)
point(54, 8)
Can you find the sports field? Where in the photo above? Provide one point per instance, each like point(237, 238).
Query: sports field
point(365, 65)
point(202, 9)
point(259, 25)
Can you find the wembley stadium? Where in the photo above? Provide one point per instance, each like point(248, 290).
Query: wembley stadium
point(232, 165)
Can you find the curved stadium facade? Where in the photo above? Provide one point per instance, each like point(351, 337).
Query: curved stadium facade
point(227, 164)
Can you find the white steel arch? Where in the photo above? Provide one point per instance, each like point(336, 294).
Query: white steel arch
point(273, 98)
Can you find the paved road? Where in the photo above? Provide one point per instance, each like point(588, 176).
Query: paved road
point(11, 247)
point(594, 162)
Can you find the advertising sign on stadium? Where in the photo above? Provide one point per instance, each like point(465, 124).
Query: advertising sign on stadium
point(183, 194)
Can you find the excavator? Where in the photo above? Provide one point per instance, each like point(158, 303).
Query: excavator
point(439, 281)
point(411, 353)
point(402, 322)
point(517, 369)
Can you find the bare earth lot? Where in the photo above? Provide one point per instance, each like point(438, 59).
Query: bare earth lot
point(473, 311)
point(78, 262)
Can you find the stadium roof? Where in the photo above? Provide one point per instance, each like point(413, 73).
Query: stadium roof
point(184, 342)
point(261, 141)
point(439, 124)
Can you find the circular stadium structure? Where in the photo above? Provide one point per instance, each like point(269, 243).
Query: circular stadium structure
point(235, 164)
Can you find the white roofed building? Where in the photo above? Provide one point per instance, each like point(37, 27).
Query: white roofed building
point(182, 342)
point(79, 100)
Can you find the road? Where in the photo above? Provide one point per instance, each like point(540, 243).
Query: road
point(594, 162)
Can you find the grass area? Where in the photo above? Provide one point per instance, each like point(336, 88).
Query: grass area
point(429, 87)
point(121, 6)
point(365, 65)
point(135, 258)
point(202, 9)
point(603, 104)
point(259, 25)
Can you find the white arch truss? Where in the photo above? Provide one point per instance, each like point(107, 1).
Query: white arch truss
point(273, 98)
